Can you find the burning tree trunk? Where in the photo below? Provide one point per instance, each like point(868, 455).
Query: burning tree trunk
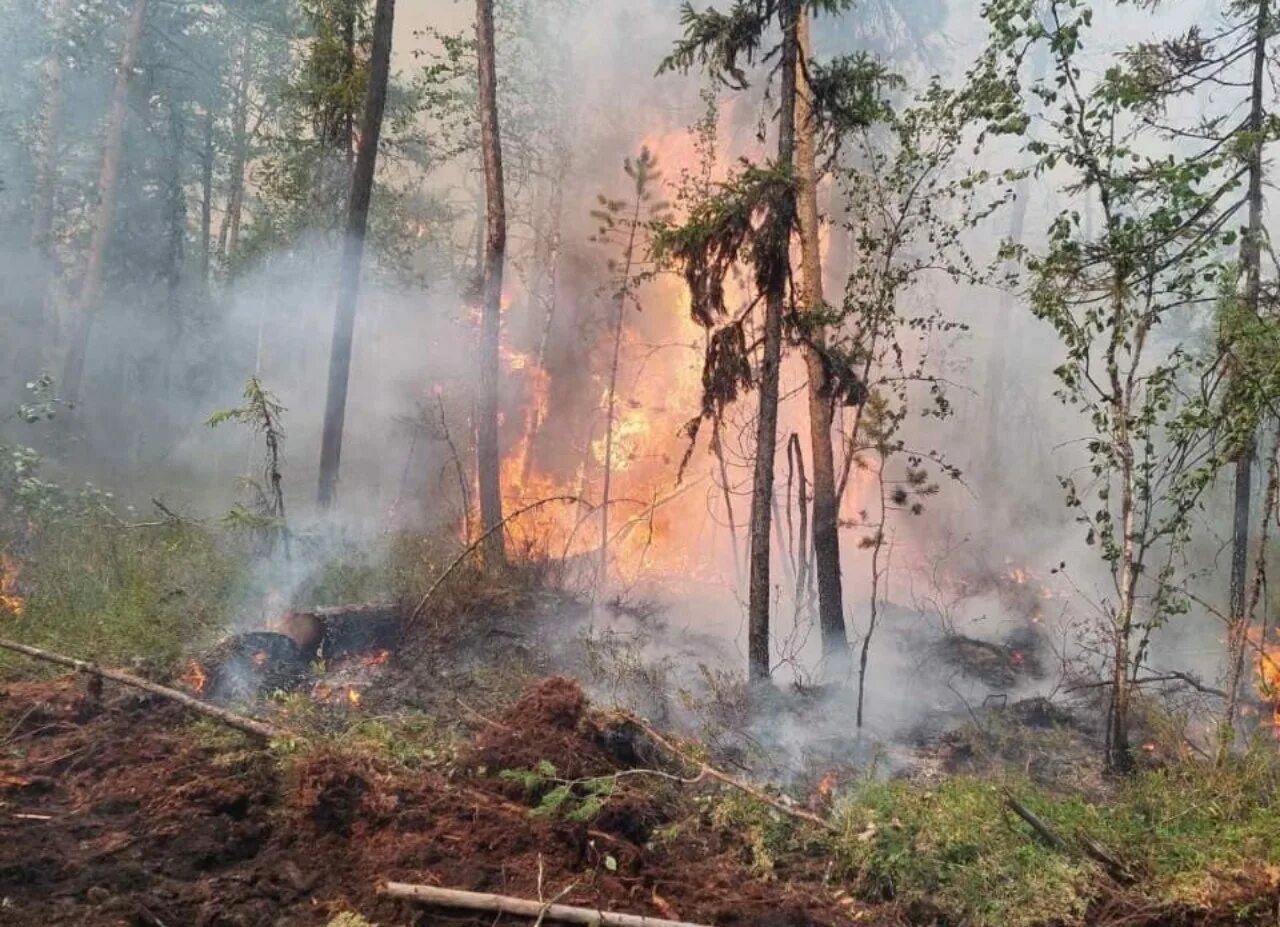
point(108, 186)
point(487, 451)
point(353, 253)
point(826, 509)
point(775, 296)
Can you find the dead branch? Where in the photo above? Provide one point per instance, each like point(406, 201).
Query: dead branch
point(1110, 864)
point(746, 788)
point(240, 722)
point(471, 548)
point(523, 907)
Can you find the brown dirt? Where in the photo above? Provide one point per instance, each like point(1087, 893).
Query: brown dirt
point(127, 815)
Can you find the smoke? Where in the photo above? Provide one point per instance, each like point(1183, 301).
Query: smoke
point(580, 95)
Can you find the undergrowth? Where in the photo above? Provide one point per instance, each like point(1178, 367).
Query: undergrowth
point(1182, 831)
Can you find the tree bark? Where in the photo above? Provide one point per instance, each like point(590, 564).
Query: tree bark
point(488, 456)
point(758, 585)
point(108, 187)
point(826, 509)
point(353, 253)
point(1251, 259)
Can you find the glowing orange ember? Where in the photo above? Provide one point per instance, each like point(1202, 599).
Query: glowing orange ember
point(377, 659)
point(194, 677)
point(10, 601)
point(353, 696)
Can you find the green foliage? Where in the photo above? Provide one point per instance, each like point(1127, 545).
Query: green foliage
point(579, 800)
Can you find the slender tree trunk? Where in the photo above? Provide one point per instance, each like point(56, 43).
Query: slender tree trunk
point(547, 293)
point(229, 231)
point(353, 253)
point(176, 214)
point(48, 135)
point(1251, 258)
point(1119, 758)
point(206, 197)
point(108, 187)
point(488, 456)
point(43, 334)
point(826, 508)
point(767, 424)
point(610, 398)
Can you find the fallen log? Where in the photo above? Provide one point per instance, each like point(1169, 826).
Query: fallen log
point(523, 907)
point(230, 718)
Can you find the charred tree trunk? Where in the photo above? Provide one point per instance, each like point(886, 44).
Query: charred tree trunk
point(826, 509)
point(353, 253)
point(487, 451)
point(758, 585)
point(108, 187)
point(1251, 259)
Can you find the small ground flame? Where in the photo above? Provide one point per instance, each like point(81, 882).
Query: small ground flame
point(10, 601)
point(1268, 679)
point(194, 677)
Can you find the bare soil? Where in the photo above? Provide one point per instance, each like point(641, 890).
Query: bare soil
point(123, 813)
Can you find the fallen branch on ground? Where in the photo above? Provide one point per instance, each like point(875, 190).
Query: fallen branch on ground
point(723, 777)
point(470, 548)
point(1110, 864)
point(240, 722)
point(523, 907)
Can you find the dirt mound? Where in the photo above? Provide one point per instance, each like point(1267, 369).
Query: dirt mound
point(549, 723)
point(130, 815)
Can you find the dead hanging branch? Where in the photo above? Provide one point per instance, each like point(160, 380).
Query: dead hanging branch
point(241, 723)
point(471, 548)
point(706, 769)
point(747, 219)
point(521, 907)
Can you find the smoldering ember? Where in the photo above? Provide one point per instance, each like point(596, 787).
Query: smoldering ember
point(639, 462)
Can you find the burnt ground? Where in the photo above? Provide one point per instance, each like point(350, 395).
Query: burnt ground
point(127, 813)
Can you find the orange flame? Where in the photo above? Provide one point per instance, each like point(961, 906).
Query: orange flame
point(353, 696)
point(10, 601)
point(194, 677)
point(1268, 680)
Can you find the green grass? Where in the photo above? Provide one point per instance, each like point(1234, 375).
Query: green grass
point(1183, 831)
point(117, 595)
